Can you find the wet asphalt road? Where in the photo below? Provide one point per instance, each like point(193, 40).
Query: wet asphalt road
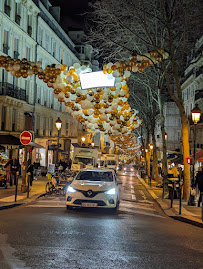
point(46, 235)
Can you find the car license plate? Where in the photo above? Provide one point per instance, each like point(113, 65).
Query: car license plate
point(89, 204)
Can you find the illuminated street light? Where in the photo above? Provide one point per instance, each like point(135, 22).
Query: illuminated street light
point(58, 124)
point(92, 144)
point(196, 113)
point(83, 139)
point(165, 136)
point(151, 146)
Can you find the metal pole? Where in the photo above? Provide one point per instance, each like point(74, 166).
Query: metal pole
point(172, 194)
point(57, 149)
point(193, 172)
point(16, 189)
point(28, 185)
point(180, 201)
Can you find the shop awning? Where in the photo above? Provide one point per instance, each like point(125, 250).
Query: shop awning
point(9, 140)
point(198, 154)
point(35, 145)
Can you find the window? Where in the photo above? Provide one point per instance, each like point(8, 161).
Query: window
point(61, 56)
point(4, 75)
point(17, 13)
point(28, 53)
point(13, 119)
point(37, 124)
point(93, 175)
point(40, 36)
point(67, 128)
point(50, 126)
point(5, 41)
point(7, 8)
point(29, 25)
point(3, 118)
point(54, 48)
point(16, 44)
point(44, 126)
point(178, 136)
point(47, 42)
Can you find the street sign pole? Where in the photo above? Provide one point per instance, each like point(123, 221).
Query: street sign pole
point(25, 139)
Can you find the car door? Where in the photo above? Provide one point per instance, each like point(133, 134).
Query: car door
point(116, 184)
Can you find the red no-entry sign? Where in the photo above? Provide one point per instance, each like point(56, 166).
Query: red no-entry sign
point(25, 138)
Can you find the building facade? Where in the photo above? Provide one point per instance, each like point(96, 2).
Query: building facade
point(172, 129)
point(192, 91)
point(31, 30)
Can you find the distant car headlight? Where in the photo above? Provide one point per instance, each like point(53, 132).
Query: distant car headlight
point(70, 189)
point(131, 169)
point(125, 169)
point(111, 191)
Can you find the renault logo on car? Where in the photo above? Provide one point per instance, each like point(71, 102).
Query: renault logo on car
point(89, 193)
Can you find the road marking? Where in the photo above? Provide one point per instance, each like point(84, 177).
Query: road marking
point(133, 197)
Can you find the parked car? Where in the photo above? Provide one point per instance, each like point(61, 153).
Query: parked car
point(94, 188)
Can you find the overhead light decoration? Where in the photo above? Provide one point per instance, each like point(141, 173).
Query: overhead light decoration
point(103, 109)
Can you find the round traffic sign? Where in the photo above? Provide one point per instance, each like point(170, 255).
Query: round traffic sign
point(25, 138)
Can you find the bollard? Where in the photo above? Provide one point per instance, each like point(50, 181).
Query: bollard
point(28, 185)
point(172, 194)
point(180, 197)
point(16, 189)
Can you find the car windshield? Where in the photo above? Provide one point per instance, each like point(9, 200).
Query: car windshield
point(83, 160)
point(111, 162)
point(95, 176)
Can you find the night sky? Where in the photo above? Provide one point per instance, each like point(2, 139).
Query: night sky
point(71, 10)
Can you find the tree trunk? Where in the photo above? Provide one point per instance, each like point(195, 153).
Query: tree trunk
point(164, 148)
point(155, 159)
point(186, 154)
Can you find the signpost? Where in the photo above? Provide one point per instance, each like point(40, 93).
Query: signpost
point(25, 139)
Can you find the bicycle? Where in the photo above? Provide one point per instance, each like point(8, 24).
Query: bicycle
point(52, 186)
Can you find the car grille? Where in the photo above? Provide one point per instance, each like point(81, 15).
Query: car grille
point(90, 193)
point(80, 201)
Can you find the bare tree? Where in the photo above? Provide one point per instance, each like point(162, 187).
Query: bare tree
point(120, 28)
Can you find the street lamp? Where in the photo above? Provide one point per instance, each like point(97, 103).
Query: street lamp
point(92, 144)
point(83, 139)
point(165, 136)
point(196, 113)
point(58, 124)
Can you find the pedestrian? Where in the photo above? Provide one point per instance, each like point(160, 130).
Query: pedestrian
point(14, 163)
point(30, 169)
point(199, 183)
point(174, 170)
point(7, 168)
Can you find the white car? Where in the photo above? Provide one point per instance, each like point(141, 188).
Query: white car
point(94, 188)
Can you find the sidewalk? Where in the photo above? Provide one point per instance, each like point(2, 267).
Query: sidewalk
point(189, 214)
point(7, 196)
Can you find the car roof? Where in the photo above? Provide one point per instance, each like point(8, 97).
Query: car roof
point(97, 170)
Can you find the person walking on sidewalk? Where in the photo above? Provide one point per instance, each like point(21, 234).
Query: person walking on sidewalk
point(199, 183)
point(7, 168)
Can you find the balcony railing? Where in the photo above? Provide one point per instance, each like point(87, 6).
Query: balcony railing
point(29, 30)
point(17, 19)
point(12, 91)
point(199, 95)
point(7, 10)
point(5, 48)
point(16, 55)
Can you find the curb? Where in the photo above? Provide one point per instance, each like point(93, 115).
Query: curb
point(173, 214)
point(31, 199)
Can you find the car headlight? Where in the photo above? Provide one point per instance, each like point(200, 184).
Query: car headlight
point(125, 169)
point(131, 169)
point(111, 191)
point(70, 189)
